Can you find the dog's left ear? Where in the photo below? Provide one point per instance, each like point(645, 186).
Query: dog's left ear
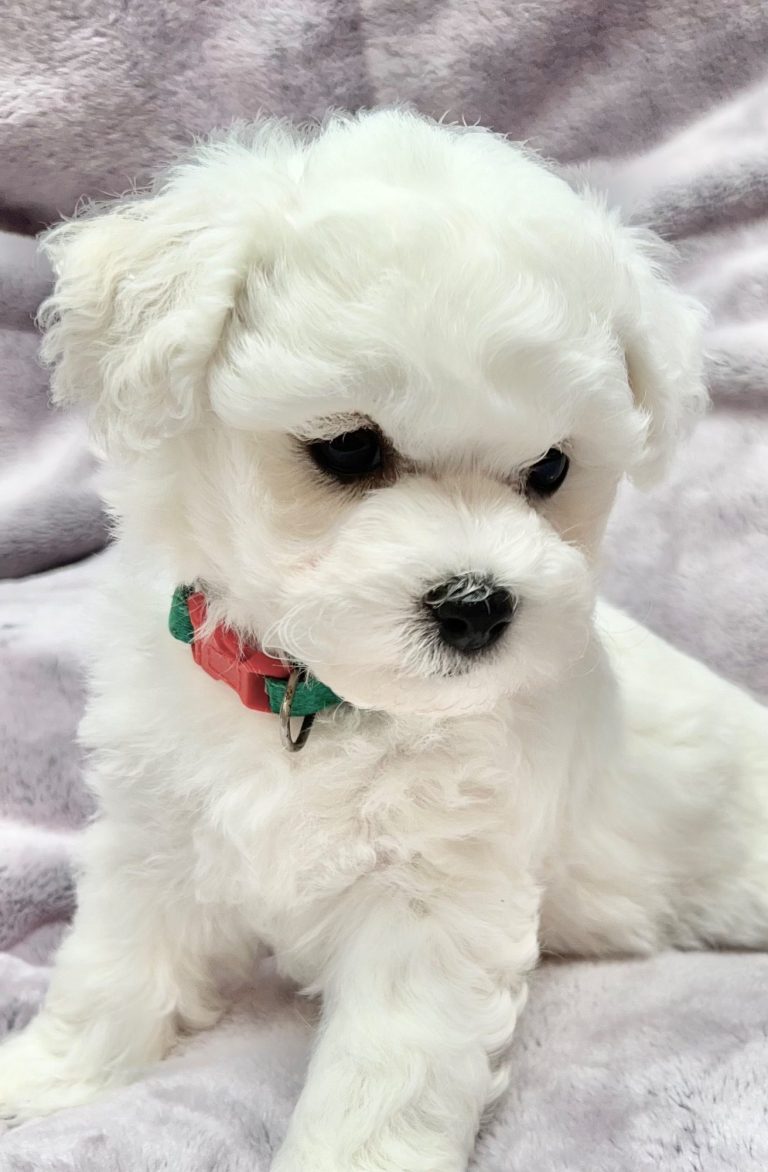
point(661, 330)
point(144, 288)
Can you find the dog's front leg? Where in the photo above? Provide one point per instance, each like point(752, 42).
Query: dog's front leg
point(132, 969)
point(420, 1000)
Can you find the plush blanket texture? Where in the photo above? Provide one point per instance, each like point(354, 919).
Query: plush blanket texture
point(620, 1067)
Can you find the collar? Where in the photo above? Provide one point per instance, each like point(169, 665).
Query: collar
point(263, 683)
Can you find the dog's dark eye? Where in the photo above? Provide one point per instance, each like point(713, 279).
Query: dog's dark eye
point(547, 474)
point(349, 456)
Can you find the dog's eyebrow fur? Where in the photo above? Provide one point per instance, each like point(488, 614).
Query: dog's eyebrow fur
point(330, 426)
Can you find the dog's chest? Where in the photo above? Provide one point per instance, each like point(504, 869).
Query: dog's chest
point(284, 837)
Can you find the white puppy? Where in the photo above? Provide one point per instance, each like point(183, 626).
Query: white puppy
point(368, 393)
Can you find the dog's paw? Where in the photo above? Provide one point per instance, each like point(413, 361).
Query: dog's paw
point(294, 1157)
point(34, 1082)
point(305, 1157)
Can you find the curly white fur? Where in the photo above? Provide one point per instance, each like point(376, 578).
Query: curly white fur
point(581, 788)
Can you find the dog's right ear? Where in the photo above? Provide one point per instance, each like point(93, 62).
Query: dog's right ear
point(144, 289)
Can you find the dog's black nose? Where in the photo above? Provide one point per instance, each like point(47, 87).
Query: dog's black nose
point(471, 614)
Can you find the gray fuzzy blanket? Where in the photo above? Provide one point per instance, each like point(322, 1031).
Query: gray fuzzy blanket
point(620, 1067)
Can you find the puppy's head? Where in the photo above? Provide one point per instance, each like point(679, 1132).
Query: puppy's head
point(375, 386)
